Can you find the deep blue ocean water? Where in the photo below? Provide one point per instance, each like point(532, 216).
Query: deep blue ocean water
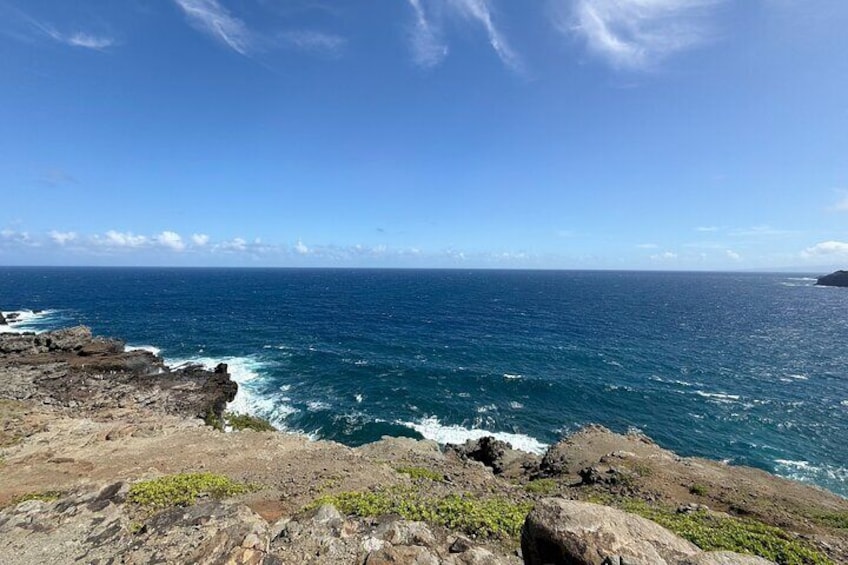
point(748, 368)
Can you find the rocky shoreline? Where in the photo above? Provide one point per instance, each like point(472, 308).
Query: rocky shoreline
point(109, 456)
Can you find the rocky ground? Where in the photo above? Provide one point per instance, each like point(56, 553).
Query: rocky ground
point(83, 424)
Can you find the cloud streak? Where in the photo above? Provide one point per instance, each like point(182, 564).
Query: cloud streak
point(80, 39)
point(429, 47)
point(210, 17)
point(636, 34)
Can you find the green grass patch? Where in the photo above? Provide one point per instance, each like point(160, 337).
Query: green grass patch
point(183, 489)
point(832, 519)
point(211, 419)
point(698, 489)
point(713, 532)
point(421, 473)
point(44, 496)
point(247, 422)
point(481, 517)
point(541, 486)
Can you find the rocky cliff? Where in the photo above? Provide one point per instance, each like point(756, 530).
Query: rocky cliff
point(837, 278)
point(106, 457)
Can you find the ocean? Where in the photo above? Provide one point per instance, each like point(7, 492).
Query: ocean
point(745, 368)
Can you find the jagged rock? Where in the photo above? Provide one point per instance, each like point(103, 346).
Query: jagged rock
point(837, 278)
point(69, 339)
point(554, 462)
point(578, 533)
point(461, 544)
point(496, 454)
point(3, 321)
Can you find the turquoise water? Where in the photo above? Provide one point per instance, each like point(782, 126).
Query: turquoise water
point(748, 368)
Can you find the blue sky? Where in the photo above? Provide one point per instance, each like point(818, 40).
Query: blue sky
point(612, 134)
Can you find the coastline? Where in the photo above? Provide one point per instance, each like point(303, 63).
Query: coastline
point(81, 412)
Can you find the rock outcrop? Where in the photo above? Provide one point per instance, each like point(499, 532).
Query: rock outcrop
point(567, 532)
point(498, 455)
point(837, 278)
point(72, 369)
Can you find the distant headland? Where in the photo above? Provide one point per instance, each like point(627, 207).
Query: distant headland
point(837, 278)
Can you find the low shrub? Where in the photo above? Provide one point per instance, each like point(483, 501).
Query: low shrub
point(183, 489)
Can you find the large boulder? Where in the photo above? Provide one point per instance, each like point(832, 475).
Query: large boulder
point(838, 278)
point(566, 532)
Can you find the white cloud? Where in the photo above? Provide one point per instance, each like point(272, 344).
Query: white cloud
point(761, 231)
point(636, 34)
point(62, 238)
point(428, 47)
point(200, 239)
point(479, 10)
point(213, 19)
point(300, 248)
point(707, 229)
point(77, 39)
point(171, 240)
point(121, 239)
point(316, 41)
point(89, 41)
point(236, 244)
point(665, 256)
point(732, 255)
point(826, 249)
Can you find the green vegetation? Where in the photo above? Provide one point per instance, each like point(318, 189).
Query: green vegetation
point(211, 419)
point(713, 532)
point(541, 486)
point(698, 489)
point(421, 473)
point(488, 518)
point(247, 422)
point(183, 489)
point(45, 496)
point(832, 519)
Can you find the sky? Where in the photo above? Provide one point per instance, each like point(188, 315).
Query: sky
point(557, 134)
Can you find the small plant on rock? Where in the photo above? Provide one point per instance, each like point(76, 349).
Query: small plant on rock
point(184, 489)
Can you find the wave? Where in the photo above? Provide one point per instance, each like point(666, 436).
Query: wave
point(28, 321)
point(512, 376)
point(432, 428)
point(718, 396)
point(149, 348)
point(810, 473)
point(247, 372)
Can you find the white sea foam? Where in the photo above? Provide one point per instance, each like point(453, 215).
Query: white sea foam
point(358, 397)
point(149, 348)
point(486, 408)
point(317, 406)
point(432, 429)
point(801, 470)
point(516, 405)
point(718, 396)
point(844, 403)
point(512, 376)
point(27, 321)
point(246, 371)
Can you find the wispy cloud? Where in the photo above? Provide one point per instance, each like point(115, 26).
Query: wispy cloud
point(210, 17)
point(647, 246)
point(83, 39)
point(480, 11)
point(313, 41)
point(732, 255)
point(665, 256)
point(707, 229)
point(636, 34)
point(429, 47)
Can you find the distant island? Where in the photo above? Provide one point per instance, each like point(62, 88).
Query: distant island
point(838, 278)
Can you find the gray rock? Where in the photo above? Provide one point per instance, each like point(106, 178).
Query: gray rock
point(400, 532)
point(402, 555)
point(578, 533)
